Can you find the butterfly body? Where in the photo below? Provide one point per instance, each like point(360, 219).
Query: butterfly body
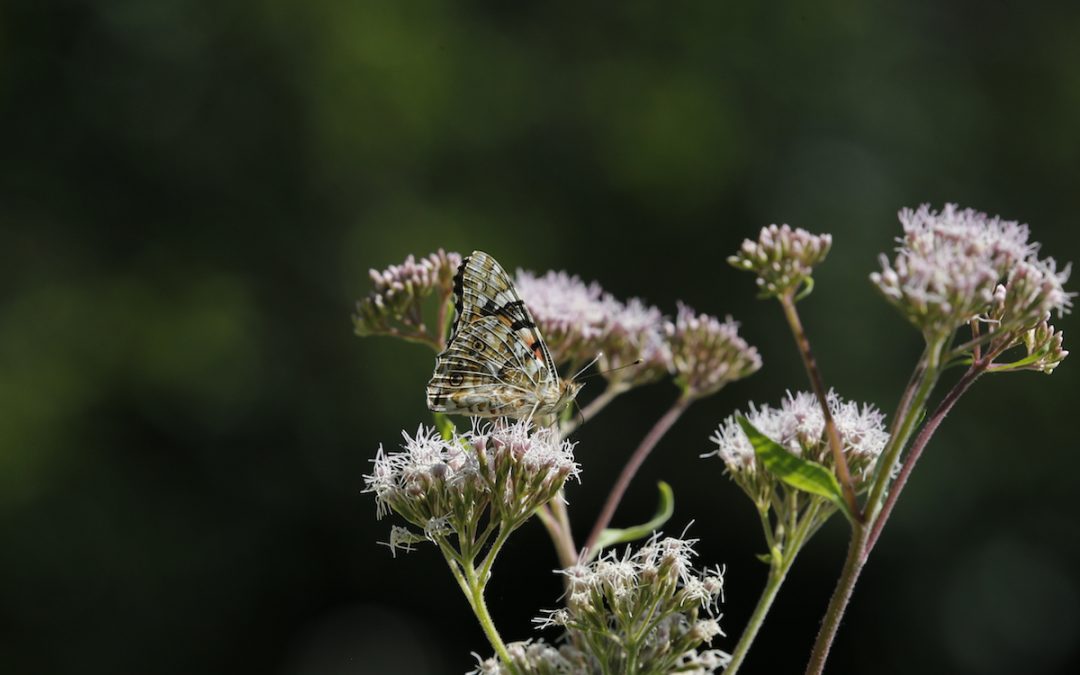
point(495, 363)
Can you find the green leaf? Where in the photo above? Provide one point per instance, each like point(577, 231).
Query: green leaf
point(797, 472)
point(444, 425)
point(664, 509)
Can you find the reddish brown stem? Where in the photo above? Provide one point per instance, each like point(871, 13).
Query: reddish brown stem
point(818, 385)
point(917, 447)
point(636, 460)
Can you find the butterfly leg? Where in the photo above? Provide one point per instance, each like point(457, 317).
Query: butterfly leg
point(528, 420)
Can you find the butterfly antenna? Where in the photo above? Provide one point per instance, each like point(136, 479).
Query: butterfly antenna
point(588, 365)
point(612, 370)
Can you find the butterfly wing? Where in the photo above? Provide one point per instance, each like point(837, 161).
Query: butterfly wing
point(496, 362)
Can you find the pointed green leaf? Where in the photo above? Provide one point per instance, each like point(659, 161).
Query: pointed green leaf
point(797, 472)
point(664, 509)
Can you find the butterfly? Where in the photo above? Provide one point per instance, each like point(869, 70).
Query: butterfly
point(496, 362)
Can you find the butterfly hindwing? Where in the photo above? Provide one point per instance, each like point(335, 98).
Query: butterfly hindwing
point(481, 368)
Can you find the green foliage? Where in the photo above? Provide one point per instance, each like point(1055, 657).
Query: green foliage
point(664, 510)
point(797, 472)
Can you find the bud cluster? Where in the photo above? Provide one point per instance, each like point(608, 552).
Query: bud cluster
point(708, 353)
point(782, 258)
point(395, 305)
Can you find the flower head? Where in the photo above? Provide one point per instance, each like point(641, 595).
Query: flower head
point(571, 315)
point(446, 486)
point(396, 304)
point(949, 265)
point(634, 348)
point(644, 611)
point(580, 321)
point(799, 425)
point(707, 353)
point(782, 258)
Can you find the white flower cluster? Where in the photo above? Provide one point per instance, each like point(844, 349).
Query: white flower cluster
point(782, 258)
point(799, 425)
point(708, 353)
point(642, 611)
point(536, 658)
point(443, 486)
point(951, 265)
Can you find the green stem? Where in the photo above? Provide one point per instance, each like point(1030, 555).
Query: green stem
point(778, 571)
point(764, 604)
point(480, 609)
point(477, 583)
point(817, 383)
point(929, 369)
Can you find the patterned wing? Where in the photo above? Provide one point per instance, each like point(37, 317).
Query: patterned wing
point(483, 289)
point(495, 363)
point(480, 372)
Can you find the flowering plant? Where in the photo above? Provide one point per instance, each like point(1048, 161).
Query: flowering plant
point(973, 286)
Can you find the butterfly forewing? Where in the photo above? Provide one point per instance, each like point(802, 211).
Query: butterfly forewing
point(496, 362)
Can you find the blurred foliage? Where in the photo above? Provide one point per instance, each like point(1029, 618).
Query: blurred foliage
point(191, 194)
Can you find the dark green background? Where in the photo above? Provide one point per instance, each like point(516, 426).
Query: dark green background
point(191, 195)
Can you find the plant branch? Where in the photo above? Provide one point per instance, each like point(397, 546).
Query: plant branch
point(853, 565)
point(568, 553)
point(636, 460)
point(787, 301)
point(778, 570)
point(913, 402)
point(917, 447)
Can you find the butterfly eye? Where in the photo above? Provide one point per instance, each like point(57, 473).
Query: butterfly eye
point(456, 379)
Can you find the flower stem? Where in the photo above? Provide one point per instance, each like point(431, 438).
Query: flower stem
point(787, 301)
point(764, 604)
point(566, 548)
point(917, 447)
point(778, 569)
point(853, 565)
point(914, 399)
point(554, 530)
point(478, 581)
point(636, 460)
point(480, 609)
point(913, 402)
